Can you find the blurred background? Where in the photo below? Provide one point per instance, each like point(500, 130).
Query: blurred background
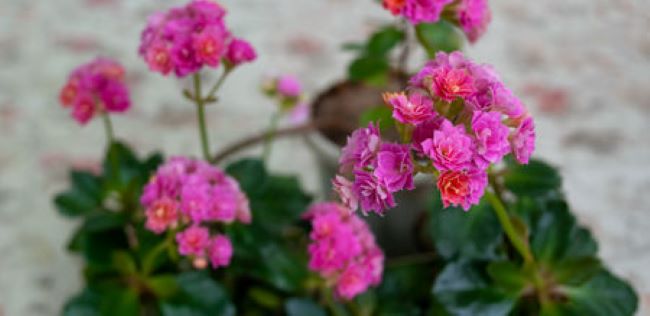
point(581, 66)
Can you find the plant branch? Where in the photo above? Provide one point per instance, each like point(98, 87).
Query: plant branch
point(200, 110)
point(108, 127)
point(520, 245)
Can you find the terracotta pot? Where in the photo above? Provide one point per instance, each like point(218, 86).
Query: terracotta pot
point(344, 103)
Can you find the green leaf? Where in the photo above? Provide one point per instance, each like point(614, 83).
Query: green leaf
point(75, 203)
point(603, 295)
point(508, 276)
point(163, 286)
point(463, 289)
point(84, 304)
point(123, 262)
point(372, 70)
point(303, 307)
point(383, 41)
point(534, 179)
point(576, 271)
point(405, 290)
point(250, 173)
point(380, 114)
point(123, 302)
point(98, 247)
point(199, 295)
point(437, 37)
point(476, 234)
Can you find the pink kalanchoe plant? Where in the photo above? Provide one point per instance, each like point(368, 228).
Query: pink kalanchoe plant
point(191, 195)
point(472, 16)
point(185, 39)
point(343, 250)
point(475, 121)
point(97, 87)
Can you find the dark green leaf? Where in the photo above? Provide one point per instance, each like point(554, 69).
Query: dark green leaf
point(164, 286)
point(474, 235)
point(381, 114)
point(75, 203)
point(383, 41)
point(508, 276)
point(303, 307)
point(369, 69)
point(123, 302)
point(123, 262)
point(250, 173)
point(84, 304)
point(200, 295)
point(463, 289)
point(437, 37)
point(603, 295)
point(575, 271)
point(534, 179)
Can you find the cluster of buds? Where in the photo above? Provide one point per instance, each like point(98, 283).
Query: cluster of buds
point(185, 39)
point(186, 196)
point(456, 118)
point(343, 250)
point(95, 87)
point(472, 16)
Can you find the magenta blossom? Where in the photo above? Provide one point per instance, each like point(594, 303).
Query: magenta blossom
point(462, 188)
point(239, 52)
point(361, 148)
point(491, 138)
point(343, 250)
point(450, 83)
point(394, 167)
point(162, 214)
point(428, 11)
point(474, 17)
point(288, 86)
point(373, 194)
point(193, 241)
point(413, 109)
point(450, 148)
point(424, 131)
point(219, 251)
point(94, 88)
point(345, 190)
point(523, 140)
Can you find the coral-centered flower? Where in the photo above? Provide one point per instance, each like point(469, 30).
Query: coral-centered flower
point(413, 109)
point(462, 188)
point(193, 241)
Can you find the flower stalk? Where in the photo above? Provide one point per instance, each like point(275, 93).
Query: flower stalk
point(108, 128)
point(200, 110)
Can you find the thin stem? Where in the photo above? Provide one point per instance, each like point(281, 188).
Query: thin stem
point(218, 84)
point(520, 245)
point(268, 143)
point(200, 110)
point(150, 260)
point(336, 310)
point(108, 127)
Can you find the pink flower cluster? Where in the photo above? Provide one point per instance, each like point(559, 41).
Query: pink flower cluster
point(460, 118)
point(95, 87)
point(185, 196)
point(185, 39)
point(343, 250)
point(473, 16)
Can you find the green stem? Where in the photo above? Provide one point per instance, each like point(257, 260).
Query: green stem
point(149, 261)
point(336, 310)
point(218, 84)
point(200, 107)
point(108, 127)
point(268, 143)
point(520, 245)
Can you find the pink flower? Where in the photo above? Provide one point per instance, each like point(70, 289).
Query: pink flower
point(239, 52)
point(223, 205)
point(159, 58)
point(523, 140)
point(184, 57)
point(418, 11)
point(343, 250)
point(462, 188)
point(288, 86)
point(209, 46)
point(373, 194)
point(491, 138)
point(220, 251)
point(162, 214)
point(413, 110)
point(450, 148)
point(424, 131)
point(95, 87)
point(474, 17)
point(450, 83)
point(352, 282)
point(394, 167)
point(361, 148)
point(193, 241)
point(345, 190)
point(195, 201)
point(299, 114)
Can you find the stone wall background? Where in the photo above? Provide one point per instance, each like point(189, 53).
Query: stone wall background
point(582, 66)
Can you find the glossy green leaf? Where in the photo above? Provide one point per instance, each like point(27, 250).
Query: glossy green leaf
point(75, 203)
point(199, 295)
point(303, 307)
point(508, 276)
point(437, 37)
point(383, 41)
point(464, 289)
point(369, 69)
point(123, 302)
point(475, 234)
point(380, 114)
point(602, 295)
point(534, 179)
point(84, 304)
point(163, 286)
